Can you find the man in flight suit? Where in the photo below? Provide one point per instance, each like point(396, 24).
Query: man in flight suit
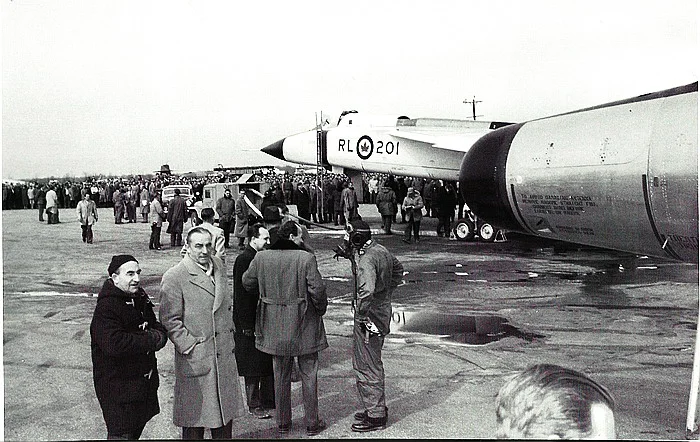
point(378, 273)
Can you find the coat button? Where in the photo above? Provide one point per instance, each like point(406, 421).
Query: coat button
point(216, 333)
point(218, 355)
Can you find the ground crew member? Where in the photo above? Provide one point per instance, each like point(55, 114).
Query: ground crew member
point(378, 273)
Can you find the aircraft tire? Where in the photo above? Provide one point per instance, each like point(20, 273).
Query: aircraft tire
point(487, 232)
point(463, 230)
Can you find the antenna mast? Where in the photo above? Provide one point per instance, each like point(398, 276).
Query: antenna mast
point(319, 164)
point(473, 103)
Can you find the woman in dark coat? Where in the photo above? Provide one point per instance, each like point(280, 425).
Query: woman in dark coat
point(124, 338)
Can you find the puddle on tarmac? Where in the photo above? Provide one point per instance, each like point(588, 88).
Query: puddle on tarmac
point(463, 329)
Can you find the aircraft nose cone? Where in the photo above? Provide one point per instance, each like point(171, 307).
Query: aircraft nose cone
point(482, 177)
point(275, 149)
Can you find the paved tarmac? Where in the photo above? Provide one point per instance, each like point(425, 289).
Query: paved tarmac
point(468, 315)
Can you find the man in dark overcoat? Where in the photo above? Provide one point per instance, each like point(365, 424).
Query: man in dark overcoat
point(41, 201)
point(226, 208)
point(303, 199)
point(177, 212)
point(254, 365)
point(124, 337)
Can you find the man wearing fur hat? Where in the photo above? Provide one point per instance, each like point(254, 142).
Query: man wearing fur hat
point(125, 336)
point(377, 273)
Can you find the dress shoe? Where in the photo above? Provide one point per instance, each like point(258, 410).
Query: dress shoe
point(370, 424)
point(260, 413)
point(407, 241)
point(313, 431)
point(284, 429)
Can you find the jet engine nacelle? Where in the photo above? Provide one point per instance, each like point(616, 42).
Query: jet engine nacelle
point(622, 176)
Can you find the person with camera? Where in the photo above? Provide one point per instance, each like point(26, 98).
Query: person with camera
point(413, 205)
point(376, 273)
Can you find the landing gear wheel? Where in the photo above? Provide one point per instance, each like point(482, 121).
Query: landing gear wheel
point(487, 233)
point(463, 230)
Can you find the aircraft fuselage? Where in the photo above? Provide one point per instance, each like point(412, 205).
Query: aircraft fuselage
point(424, 147)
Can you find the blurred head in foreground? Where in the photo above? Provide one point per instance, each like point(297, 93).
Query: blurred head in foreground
point(551, 402)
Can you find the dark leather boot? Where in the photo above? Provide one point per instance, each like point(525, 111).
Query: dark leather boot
point(370, 424)
point(362, 415)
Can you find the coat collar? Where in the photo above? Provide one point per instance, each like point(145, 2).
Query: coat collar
point(203, 281)
point(285, 244)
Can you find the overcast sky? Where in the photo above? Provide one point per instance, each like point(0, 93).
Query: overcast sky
point(121, 87)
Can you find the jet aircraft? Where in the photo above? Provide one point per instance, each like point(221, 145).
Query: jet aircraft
point(621, 175)
point(423, 147)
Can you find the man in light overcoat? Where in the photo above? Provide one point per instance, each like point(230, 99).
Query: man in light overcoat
point(87, 216)
point(195, 308)
point(241, 227)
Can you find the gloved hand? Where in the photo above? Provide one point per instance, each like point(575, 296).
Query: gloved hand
point(372, 327)
point(157, 338)
point(342, 251)
point(369, 326)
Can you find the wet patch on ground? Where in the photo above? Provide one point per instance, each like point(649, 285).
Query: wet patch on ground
point(463, 329)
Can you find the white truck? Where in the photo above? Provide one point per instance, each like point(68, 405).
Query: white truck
point(212, 192)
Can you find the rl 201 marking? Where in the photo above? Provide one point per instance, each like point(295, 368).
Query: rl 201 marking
point(365, 147)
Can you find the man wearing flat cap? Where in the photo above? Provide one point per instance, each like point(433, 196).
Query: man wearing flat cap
point(125, 336)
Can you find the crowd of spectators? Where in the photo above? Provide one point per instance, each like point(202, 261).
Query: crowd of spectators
point(300, 189)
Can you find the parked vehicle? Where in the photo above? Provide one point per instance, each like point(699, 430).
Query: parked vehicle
point(212, 192)
point(185, 192)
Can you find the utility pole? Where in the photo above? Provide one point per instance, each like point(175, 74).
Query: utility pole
point(319, 165)
point(473, 103)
